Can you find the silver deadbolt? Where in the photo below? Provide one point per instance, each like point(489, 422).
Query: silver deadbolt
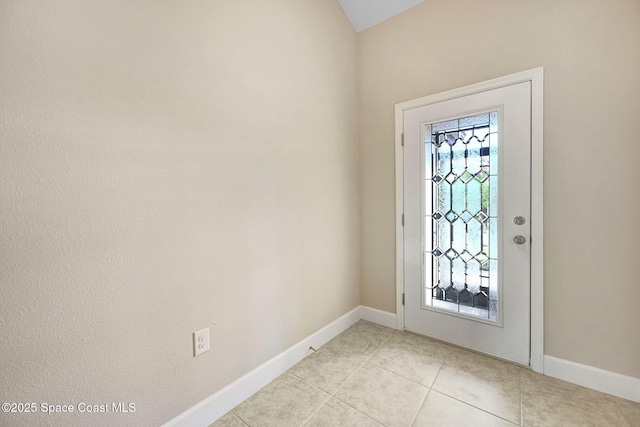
point(519, 220)
point(519, 240)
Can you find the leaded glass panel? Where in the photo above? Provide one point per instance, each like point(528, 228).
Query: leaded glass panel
point(462, 215)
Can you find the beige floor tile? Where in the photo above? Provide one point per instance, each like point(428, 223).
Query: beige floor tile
point(431, 346)
point(629, 410)
point(335, 413)
point(228, 420)
point(551, 402)
point(360, 340)
point(481, 381)
point(328, 368)
point(382, 395)
point(416, 358)
point(287, 401)
point(439, 410)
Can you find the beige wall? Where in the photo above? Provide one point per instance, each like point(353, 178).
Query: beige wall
point(164, 167)
point(591, 53)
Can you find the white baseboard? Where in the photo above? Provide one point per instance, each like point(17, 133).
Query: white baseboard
point(594, 378)
point(380, 317)
point(221, 402)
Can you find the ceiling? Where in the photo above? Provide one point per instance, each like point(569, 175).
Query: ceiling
point(367, 13)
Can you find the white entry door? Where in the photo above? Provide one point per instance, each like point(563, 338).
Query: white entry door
point(467, 216)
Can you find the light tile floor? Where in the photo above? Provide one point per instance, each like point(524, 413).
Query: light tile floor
point(375, 376)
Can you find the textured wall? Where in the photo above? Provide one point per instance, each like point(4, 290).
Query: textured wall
point(164, 167)
point(591, 53)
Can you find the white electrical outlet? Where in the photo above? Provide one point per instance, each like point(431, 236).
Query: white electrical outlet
point(200, 341)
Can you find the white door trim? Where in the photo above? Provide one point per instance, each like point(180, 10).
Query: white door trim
point(535, 76)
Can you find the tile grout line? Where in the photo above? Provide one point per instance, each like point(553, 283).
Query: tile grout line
point(240, 418)
point(351, 376)
point(332, 395)
point(469, 404)
point(521, 402)
point(367, 360)
point(475, 407)
point(297, 377)
point(429, 390)
point(400, 375)
point(424, 399)
point(317, 410)
point(329, 395)
point(364, 362)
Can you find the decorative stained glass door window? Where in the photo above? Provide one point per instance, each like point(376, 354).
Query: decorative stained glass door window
point(461, 221)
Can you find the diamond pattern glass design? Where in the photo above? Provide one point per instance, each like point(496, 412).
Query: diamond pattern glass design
point(462, 247)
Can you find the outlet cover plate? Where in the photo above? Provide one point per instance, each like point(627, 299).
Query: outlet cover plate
point(200, 341)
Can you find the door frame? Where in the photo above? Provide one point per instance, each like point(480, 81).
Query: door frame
point(535, 76)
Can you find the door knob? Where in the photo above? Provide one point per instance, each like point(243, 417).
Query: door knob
point(519, 240)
